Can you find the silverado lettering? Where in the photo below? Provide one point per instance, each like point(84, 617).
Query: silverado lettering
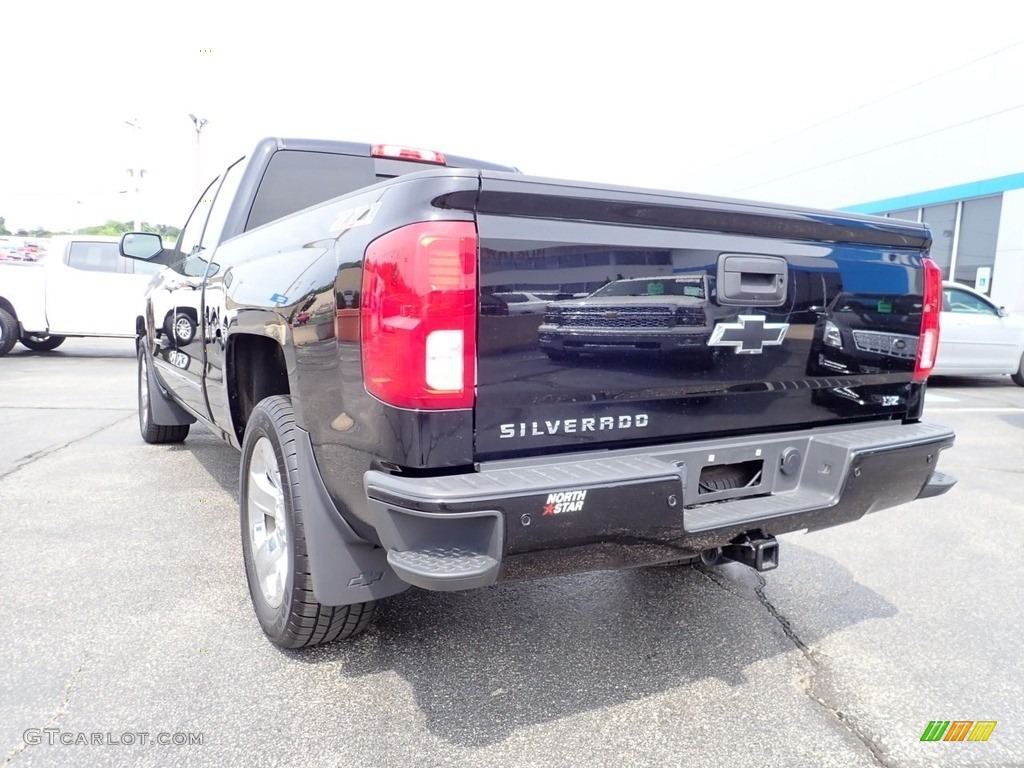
point(568, 426)
point(419, 355)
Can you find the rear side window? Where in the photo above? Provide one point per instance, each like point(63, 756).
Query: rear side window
point(295, 180)
point(93, 257)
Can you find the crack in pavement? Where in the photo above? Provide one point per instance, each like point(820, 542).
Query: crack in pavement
point(32, 458)
point(817, 671)
point(708, 574)
point(811, 688)
point(62, 709)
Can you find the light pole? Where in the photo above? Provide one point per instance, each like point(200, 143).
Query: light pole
point(199, 123)
point(137, 173)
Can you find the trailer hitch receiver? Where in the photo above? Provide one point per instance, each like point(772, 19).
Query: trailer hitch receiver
point(754, 549)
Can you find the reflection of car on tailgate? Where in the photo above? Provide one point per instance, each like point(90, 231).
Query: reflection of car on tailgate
point(866, 334)
point(647, 314)
point(530, 303)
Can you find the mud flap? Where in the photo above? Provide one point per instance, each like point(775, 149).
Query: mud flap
point(345, 568)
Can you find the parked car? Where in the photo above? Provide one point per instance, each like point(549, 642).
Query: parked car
point(978, 338)
point(82, 288)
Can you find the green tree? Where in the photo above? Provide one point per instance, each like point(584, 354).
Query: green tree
point(168, 233)
point(114, 228)
point(3, 228)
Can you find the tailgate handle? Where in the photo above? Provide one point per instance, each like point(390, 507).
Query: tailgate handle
point(751, 280)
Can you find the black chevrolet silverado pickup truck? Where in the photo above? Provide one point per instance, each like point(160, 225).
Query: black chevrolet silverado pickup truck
point(333, 310)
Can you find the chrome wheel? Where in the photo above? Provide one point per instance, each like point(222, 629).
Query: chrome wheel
point(183, 328)
point(267, 523)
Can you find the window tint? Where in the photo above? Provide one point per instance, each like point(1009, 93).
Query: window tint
point(188, 240)
point(979, 230)
point(295, 180)
point(693, 287)
point(973, 225)
point(942, 221)
point(94, 257)
point(222, 205)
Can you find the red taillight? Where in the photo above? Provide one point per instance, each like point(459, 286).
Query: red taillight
point(418, 316)
point(407, 153)
point(928, 343)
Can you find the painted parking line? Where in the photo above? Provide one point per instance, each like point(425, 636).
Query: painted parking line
point(994, 409)
point(931, 397)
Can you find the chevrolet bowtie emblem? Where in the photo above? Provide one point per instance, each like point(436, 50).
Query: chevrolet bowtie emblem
point(749, 335)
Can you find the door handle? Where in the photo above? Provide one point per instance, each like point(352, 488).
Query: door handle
point(747, 280)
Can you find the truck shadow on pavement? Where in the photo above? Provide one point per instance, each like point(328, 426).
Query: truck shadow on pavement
point(487, 663)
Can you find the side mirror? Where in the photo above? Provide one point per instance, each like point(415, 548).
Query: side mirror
point(141, 245)
point(1002, 312)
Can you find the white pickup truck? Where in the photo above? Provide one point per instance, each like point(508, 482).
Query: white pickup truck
point(83, 287)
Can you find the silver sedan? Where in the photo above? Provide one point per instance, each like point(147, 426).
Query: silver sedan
point(977, 338)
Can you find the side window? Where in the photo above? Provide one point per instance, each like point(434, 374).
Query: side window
point(222, 205)
point(93, 257)
point(188, 240)
point(297, 179)
point(965, 303)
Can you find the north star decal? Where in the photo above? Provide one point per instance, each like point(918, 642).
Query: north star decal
point(566, 501)
point(572, 426)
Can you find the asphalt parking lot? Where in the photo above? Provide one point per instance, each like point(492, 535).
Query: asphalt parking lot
point(126, 618)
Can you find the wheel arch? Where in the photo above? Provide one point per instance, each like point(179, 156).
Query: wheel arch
point(255, 368)
point(9, 308)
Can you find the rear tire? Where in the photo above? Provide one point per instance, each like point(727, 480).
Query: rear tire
point(8, 332)
point(1018, 377)
point(41, 342)
point(154, 433)
point(274, 541)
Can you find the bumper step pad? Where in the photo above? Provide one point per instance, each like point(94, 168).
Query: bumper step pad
point(444, 568)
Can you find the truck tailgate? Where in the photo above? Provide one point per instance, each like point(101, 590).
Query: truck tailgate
point(609, 317)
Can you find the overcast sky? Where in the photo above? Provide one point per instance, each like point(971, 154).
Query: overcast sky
point(644, 95)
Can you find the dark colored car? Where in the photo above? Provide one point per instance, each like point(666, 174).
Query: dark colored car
point(417, 436)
